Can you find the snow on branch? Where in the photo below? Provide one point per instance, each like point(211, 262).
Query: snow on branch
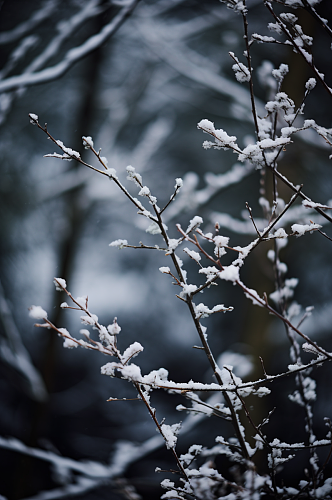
point(217, 261)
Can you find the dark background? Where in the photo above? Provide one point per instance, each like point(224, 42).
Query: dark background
point(140, 96)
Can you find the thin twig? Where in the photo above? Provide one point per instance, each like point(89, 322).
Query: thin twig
point(297, 47)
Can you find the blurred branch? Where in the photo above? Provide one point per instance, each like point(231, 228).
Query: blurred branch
point(180, 57)
point(295, 213)
point(13, 352)
point(191, 199)
point(92, 474)
point(66, 29)
point(320, 19)
point(37, 18)
point(72, 56)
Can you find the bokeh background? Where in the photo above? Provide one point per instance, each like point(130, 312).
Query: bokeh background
point(140, 95)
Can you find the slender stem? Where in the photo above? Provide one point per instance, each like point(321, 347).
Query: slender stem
point(263, 303)
point(267, 379)
point(251, 85)
point(153, 415)
point(318, 18)
point(297, 48)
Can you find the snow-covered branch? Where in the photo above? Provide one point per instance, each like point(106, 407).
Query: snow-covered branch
point(204, 265)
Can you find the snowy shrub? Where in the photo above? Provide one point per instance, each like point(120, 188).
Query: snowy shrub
point(248, 462)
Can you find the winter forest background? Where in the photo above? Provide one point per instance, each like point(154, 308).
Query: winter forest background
point(140, 94)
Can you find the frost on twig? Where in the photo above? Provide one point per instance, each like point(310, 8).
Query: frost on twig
point(300, 229)
point(241, 71)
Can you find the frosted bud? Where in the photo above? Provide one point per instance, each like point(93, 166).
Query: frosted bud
point(33, 118)
point(165, 270)
point(114, 328)
point(87, 142)
point(37, 312)
point(206, 126)
point(311, 83)
point(221, 241)
point(60, 284)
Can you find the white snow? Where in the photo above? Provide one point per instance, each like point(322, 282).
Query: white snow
point(254, 297)
point(292, 282)
point(166, 483)
point(223, 139)
point(165, 270)
point(230, 273)
point(131, 372)
point(133, 175)
point(85, 332)
point(69, 151)
point(69, 343)
point(288, 17)
point(153, 228)
point(252, 153)
point(210, 270)
point(89, 320)
point(87, 142)
point(82, 301)
point(312, 204)
point(104, 160)
point(119, 243)
point(131, 351)
point(173, 244)
point(280, 73)
point(325, 490)
point(33, 118)
point(311, 83)
point(194, 255)
point(286, 292)
point(280, 233)
point(145, 191)
point(309, 348)
point(60, 284)
point(37, 312)
point(65, 156)
point(187, 290)
point(262, 38)
point(170, 434)
point(206, 126)
point(275, 27)
point(270, 143)
point(282, 267)
point(195, 222)
point(262, 391)
point(202, 311)
point(242, 73)
point(114, 328)
point(111, 172)
point(301, 229)
point(221, 241)
point(105, 337)
point(219, 251)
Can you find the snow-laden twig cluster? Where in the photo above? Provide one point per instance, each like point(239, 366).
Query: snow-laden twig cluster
point(219, 261)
